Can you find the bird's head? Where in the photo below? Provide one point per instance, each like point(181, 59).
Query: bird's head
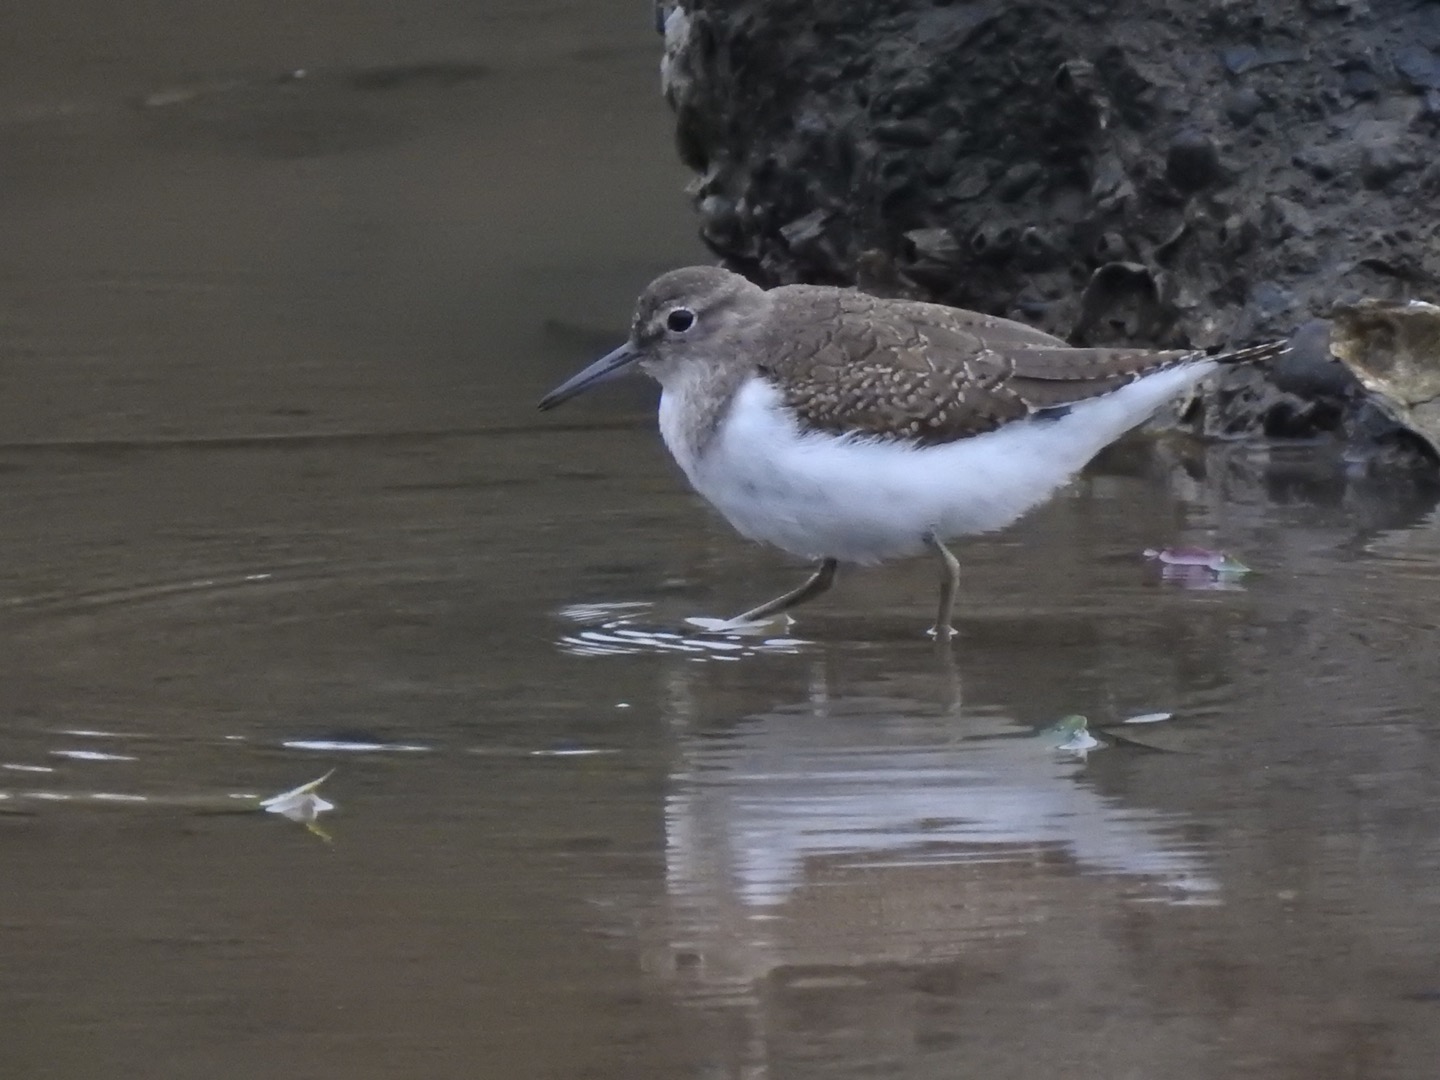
point(698, 315)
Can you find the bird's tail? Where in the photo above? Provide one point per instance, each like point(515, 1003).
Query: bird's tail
point(1253, 354)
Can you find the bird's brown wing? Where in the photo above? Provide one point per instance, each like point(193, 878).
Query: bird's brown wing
point(846, 362)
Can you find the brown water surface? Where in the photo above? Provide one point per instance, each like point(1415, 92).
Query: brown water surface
point(278, 290)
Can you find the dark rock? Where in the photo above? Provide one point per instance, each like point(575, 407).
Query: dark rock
point(936, 245)
point(940, 160)
point(1243, 58)
point(1254, 161)
point(908, 97)
point(1372, 423)
point(1270, 299)
point(1363, 84)
point(913, 133)
point(801, 234)
point(1165, 252)
point(1110, 247)
point(1017, 180)
point(1430, 109)
point(993, 241)
point(1115, 292)
point(1381, 163)
point(1034, 309)
point(1036, 249)
point(1326, 162)
point(1237, 235)
point(1111, 184)
point(1240, 59)
point(1288, 218)
point(719, 215)
point(1309, 370)
point(1418, 66)
point(1191, 161)
point(1243, 105)
point(1426, 30)
point(877, 274)
point(971, 186)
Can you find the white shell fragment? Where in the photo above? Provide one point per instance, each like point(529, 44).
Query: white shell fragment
point(303, 804)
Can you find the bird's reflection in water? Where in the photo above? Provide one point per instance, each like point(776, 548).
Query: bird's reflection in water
point(830, 863)
point(851, 831)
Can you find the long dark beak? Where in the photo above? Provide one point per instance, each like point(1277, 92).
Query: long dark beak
point(612, 363)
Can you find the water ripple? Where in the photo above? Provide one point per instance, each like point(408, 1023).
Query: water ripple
point(615, 632)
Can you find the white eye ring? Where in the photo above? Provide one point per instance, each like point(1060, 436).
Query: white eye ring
point(679, 320)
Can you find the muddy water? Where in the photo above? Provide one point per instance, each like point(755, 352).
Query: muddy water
point(276, 501)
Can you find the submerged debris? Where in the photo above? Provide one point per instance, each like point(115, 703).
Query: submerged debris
point(1218, 561)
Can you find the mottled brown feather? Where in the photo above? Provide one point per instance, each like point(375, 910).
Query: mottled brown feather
point(847, 362)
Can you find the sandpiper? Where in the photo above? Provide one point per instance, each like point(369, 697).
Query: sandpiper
point(845, 428)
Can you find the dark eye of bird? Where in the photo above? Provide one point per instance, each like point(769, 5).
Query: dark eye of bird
point(680, 320)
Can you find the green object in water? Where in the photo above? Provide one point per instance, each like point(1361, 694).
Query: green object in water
point(1069, 726)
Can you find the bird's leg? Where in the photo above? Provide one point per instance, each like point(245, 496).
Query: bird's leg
point(949, 584)
point(817, 583)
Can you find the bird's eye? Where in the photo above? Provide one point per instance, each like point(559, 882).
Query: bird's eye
point(679, 320)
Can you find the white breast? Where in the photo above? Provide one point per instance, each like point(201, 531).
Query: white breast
point(864, 500)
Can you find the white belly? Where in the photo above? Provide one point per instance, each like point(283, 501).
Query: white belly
point(865, 500)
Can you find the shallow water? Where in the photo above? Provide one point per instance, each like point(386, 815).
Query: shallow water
point(277, 501)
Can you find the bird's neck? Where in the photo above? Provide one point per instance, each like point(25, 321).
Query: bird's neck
point(693, 405)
